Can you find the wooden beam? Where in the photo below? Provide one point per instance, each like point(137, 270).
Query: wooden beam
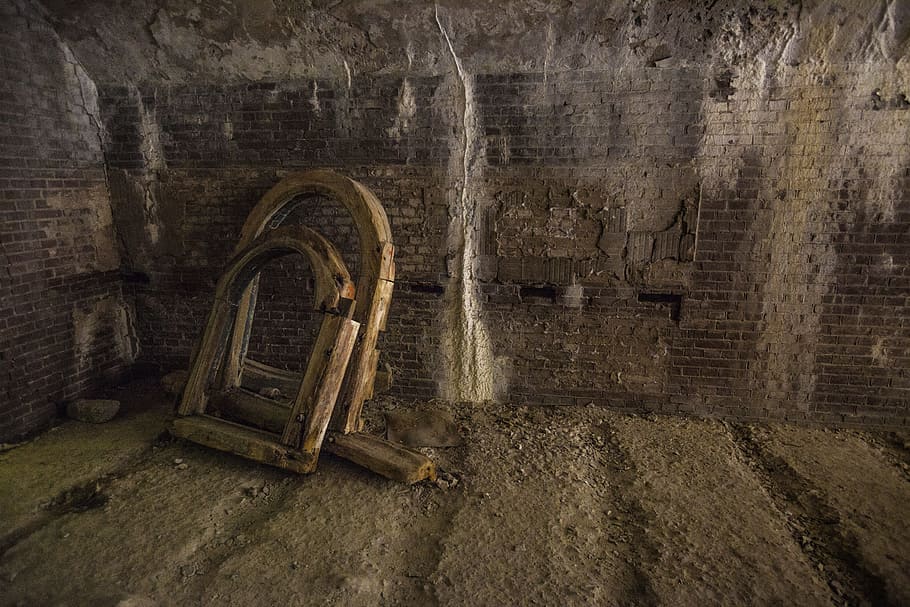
point(249, 408)
point(359, 382)
point(391, 460)
point(252, 444)
point(257, 375)
point(312, 409)
point(195, 392)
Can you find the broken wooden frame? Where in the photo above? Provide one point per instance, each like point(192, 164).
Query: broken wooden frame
point(374, 284)
point(307, 419)
point(221, 374)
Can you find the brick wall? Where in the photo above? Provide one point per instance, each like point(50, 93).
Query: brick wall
point(731, 244)
point(64, 327)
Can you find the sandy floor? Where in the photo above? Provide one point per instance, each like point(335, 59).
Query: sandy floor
point(554, 506)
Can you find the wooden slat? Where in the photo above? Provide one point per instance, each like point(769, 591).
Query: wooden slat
point(252, 409)
point(194, 396)
point(252, 444)
point(324, 402)
point(358, 384)
point(391, 460)
point(257, 375)
point(318, 391)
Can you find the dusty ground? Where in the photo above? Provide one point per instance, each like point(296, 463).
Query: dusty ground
point(554, 506)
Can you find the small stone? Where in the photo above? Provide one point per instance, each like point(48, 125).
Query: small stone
point(182, 466)
point(178, 460)
point(93, 411)
point(174, 382)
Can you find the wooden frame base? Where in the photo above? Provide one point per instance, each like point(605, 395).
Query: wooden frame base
point(341, 367)
point(256, 445)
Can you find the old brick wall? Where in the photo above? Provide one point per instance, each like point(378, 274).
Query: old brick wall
point(694, 207)
point(664, 237)
point(799, 306)
point(64, 326)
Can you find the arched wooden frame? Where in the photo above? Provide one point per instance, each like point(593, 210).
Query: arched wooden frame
point(374, 284)
point(312, 408)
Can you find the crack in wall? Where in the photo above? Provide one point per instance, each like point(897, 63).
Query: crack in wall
point(153, 161)
point(466, 347)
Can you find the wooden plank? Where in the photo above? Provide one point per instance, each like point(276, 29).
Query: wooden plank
point(257, 375)
point(320, 414)
point(252, 409)
point(252, 444)
point(368, 391)
point(359, 382)
point(391, 460)
point(329, 358)
point(234, 365)
point(194, 396)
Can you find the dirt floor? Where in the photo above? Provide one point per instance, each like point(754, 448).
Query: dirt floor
point(549, 506)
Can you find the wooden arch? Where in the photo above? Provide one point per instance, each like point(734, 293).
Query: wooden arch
point(306, 421)
point(374, 284)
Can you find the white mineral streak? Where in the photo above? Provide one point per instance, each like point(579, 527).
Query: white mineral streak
point(466, 350)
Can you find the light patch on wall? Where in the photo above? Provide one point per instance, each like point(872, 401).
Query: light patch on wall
point(347, 73)
point(86, 219)
point(407, 109)
point(880, 353)
point(150, 137)
point(314, 99)
point(106, 318)
point(469, 366)
point(153, 162)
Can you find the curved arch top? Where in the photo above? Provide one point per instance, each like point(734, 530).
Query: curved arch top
point(375, 279)
point(369, 217)
point(333, 281)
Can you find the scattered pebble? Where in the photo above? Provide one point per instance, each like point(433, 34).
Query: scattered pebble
point(446, 481)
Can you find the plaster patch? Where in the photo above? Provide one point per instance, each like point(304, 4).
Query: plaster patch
point(407, 109)
point(314, 99)
point(105, 318)
point(467, 350)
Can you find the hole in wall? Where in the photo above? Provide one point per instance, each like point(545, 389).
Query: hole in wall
point(423, 287)
point(672, 300)
point(134, 277)
point(538, 292)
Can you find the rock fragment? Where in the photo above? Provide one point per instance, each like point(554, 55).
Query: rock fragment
point(174, 382)
point(93, 411)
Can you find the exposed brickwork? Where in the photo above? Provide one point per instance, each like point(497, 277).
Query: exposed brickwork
point(63, 323)
point(594, 186)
